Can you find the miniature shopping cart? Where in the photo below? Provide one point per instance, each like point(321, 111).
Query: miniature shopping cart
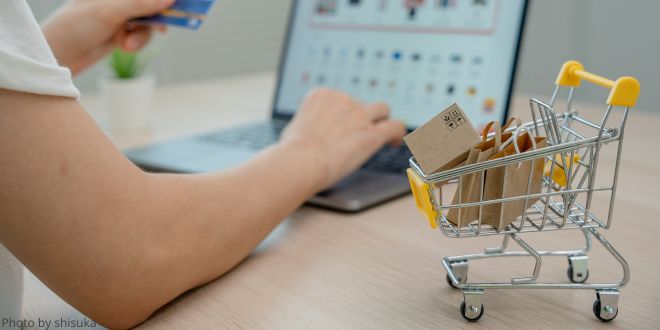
point(571, 179)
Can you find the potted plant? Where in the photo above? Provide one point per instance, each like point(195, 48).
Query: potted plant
point(128, 94)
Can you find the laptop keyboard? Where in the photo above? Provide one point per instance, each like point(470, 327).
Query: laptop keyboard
point(263, 134)
point(255, 136)
point(389, 159)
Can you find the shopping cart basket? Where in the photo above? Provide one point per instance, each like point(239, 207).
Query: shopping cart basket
point(569, 184)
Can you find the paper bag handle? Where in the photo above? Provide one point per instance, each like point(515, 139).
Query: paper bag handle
point(514, 139)
point(517, 134)
point(511, 121)
point(508, 126)
point(498, 132)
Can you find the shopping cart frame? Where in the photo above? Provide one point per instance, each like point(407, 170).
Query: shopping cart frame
point(573, 158)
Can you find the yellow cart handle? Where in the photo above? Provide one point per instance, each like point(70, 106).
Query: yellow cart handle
point(624, 91)
point(420, 190)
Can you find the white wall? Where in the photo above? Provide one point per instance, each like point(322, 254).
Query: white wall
point(611, 37)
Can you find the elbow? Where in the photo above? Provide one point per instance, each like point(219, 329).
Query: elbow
point(120, 322)
point(136, 271)
point(115, 312)
point(127, 295)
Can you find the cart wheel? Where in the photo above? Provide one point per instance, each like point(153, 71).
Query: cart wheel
point(460, 271)
point(451, 284)
point(471, 318)
point(577, 278)
point(578, 271)
point(610, 312)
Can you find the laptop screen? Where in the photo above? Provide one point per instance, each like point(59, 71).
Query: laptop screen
point(418, 56)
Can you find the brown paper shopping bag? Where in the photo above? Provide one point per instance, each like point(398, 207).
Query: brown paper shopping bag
point(512, 181)
point(471, 185)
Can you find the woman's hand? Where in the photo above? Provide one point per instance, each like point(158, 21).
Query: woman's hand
point(340, 132)
point(84, 31)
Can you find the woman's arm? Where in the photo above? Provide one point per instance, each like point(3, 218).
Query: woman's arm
point(118, 243)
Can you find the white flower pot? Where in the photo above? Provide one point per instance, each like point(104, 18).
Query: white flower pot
point(128, 102)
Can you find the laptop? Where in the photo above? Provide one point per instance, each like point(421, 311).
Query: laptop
point(417, 56)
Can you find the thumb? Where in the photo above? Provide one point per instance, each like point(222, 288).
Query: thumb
point(128, 9)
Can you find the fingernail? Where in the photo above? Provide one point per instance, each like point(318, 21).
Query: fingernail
point(166, 3)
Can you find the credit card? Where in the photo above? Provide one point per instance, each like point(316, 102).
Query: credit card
point(188, 14)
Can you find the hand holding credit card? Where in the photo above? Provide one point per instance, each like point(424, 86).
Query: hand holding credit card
point(184, 13)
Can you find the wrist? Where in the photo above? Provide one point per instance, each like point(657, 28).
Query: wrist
point(310, 160)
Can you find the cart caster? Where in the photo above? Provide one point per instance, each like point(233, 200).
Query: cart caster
point(606, 306)
point(576, 277)
point(577, 269)
point(460, 280)
point(460, 270)
point(471, 308)
point(470, 317)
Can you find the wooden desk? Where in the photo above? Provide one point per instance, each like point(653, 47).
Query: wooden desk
point(381, 268)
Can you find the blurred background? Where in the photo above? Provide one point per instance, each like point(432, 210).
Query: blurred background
point(611, 37)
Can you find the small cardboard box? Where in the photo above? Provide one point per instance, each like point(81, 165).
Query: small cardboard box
point(444, 141)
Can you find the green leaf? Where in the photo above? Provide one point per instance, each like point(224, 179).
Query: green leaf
point(126, 65)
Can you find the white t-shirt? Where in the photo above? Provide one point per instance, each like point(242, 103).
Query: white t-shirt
point(26, 64)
